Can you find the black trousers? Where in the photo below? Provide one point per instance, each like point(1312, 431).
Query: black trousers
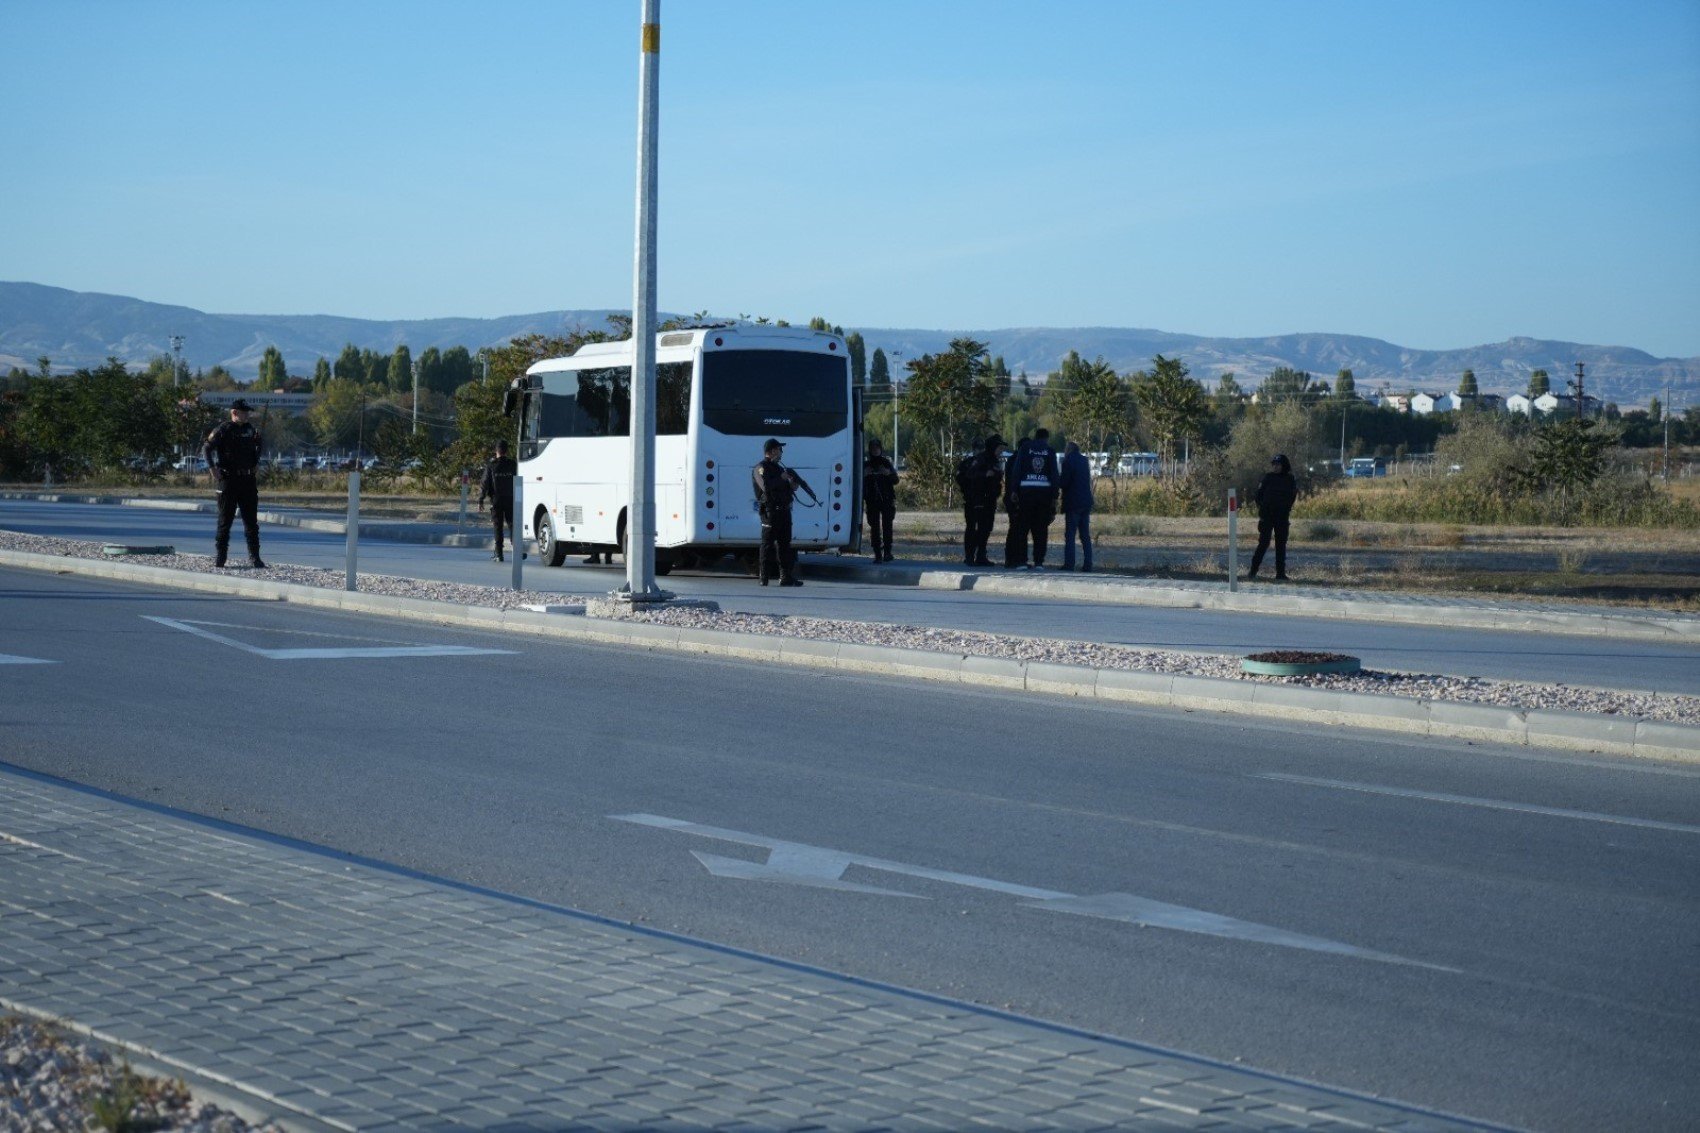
point(1015, 539)
point(1267, 527)
point(879, 525)
point(501, 514)
point(777, 557)
point(1038, 510)
point(238, 492)
point(977, 523)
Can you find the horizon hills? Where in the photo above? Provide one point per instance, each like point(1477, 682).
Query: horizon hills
point(79, 329)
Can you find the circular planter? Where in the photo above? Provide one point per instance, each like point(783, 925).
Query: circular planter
point(1297, 663)
point(127, 549)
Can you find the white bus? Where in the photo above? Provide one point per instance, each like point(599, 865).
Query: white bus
point(720, 392)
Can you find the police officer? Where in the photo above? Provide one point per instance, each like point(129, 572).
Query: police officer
point(1036, 493)
point(498, 487)
point(980, 476)
point(233, 457)
point(879, 499)
point(1275, 498)
point(775, 487)
point(1015, 539)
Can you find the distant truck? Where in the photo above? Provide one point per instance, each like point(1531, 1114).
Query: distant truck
point(1366, 466)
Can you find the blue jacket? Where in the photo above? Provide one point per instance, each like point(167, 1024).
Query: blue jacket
point(1076, 482)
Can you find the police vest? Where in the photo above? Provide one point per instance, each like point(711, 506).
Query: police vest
point(1035, 467)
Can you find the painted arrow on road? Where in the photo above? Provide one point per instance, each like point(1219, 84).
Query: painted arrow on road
point(797, 863)
point(321, 653)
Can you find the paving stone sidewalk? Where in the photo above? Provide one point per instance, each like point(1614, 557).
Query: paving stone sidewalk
point(345, 995)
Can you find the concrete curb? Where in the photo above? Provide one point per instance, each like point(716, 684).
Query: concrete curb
point(1543, 728)
point(1649, 626)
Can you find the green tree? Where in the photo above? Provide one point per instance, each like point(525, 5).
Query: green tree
point(858, 348)
point(337, 414)
point(1284, 384)
point(1655, 411)
point(1171, 404)
point(1569, 455)
point(948, 398)
point(879, 376)
point(321, 374)
point(1091, 405)
point(1539, 383)
point(1467, 384)
point(454, 371)
point(399, 376)
point(430, 370)
point(273, 373)
point(350, 367)
point(1345, 385)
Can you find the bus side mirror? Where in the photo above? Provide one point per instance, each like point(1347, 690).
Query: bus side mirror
point(510, 401)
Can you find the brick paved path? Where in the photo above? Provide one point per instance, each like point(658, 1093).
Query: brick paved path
point(357, 997)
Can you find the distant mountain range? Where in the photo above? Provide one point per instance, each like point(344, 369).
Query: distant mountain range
point(77, 329)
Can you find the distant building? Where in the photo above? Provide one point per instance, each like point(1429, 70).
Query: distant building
point(1519, 403)
point(1423, 403)
point(1550, 402)
point(293, 404)
point(1399, 401)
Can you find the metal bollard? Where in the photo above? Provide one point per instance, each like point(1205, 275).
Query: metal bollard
point(1233, 540)
point(518, 547)
point(352, 553)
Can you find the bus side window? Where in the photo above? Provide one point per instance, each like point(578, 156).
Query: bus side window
point(672, 399)
point(604, 403)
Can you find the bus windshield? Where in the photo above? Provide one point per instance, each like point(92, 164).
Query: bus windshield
point(748, 393)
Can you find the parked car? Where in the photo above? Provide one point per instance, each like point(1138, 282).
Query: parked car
point(1367, 466)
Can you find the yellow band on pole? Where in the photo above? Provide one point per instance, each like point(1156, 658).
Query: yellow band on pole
point(652, 39)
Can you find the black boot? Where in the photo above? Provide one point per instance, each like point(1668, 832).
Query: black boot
point(254, 561)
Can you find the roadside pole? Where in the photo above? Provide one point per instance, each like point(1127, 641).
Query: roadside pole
point(518, 540)
point(640, 513)
point(465, 486)
point(352, 551)
point(1233, 540)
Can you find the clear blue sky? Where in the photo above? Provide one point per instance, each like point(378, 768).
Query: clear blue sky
point(1436, 174)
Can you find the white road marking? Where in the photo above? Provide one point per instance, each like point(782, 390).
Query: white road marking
point(1487, 804)
point(320, 654)
point(12, 659)
point(796, 863)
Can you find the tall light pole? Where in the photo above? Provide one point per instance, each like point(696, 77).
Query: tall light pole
point(177, 360)
point(416, 397)
point(640, 512)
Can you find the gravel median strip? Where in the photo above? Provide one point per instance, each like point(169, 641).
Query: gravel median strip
point(1664, 707)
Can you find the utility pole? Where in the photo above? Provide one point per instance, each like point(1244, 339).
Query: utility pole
point(1665, 413)
point(177, 360)
point(640, 512)
point(416, 397)
point(1577, 385)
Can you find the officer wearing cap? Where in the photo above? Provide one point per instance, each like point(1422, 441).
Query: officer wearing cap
point(879, 499)
point(775, 487)
point(233, 457)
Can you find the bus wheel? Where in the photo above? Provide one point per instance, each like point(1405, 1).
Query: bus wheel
point(551, 550)
point(663, 562)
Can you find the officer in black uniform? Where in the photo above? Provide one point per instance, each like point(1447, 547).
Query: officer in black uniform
point(1275, 497)
point(879, 499)
point(980, 476)
point(498, 487)
point(775, 487)
point(1015, 539)
point(1036, 493)
point(233, 457)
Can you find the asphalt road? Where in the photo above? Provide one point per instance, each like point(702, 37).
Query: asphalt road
point(1546, 658)
point(1486, 931)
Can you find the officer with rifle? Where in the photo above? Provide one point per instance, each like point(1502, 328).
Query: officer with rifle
point(776, 486)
